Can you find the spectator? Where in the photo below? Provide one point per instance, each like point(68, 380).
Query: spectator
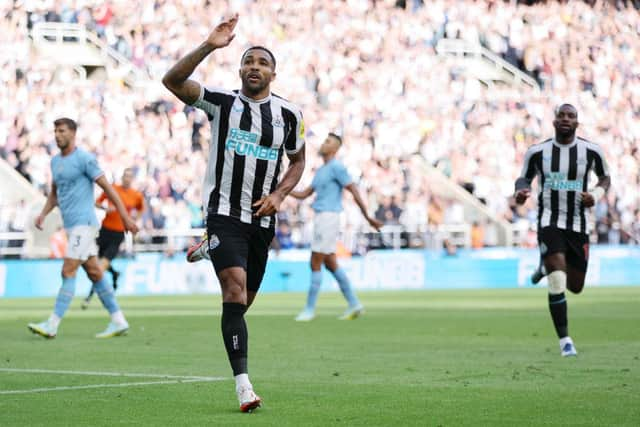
point(370, 87)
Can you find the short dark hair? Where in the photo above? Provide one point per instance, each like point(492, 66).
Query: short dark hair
point(72, 125)
point(566, 104)
point(336, 136)
point(273, 58)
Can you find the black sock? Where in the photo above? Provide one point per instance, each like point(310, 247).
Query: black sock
point(558, 310)
point(114, 276)
point(234, 333)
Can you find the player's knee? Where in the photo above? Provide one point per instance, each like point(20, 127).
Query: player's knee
point(331, 265)
point(234, 290)
point(68, 271)
point(234, 295)
point(557, 282)
point(95, 275)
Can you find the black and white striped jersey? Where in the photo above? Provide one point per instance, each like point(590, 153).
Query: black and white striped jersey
point(563, 172)
point(248, 139)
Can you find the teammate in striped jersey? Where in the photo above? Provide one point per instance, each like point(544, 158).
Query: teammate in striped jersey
point(251, 129)
point(562, 165)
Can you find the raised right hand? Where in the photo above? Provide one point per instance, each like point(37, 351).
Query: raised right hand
point(222, 34)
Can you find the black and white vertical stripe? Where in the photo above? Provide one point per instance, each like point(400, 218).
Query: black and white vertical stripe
point(234, 181)
point(563, 172)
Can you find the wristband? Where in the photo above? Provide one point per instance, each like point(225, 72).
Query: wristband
point(597, 193)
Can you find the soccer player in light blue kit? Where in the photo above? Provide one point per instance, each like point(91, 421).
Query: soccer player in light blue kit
point(329, 181)
point(74, 171)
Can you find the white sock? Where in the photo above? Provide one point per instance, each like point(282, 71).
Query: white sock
point(565, 340)
point(242, 381)
point(118, 317)
point(54, 320)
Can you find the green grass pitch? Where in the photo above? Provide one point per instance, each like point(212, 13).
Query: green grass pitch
point(431, 358)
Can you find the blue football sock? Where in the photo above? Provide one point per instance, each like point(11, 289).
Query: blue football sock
point(65, 295)
point(314, 289)
point(345, 287)
point(104, 289)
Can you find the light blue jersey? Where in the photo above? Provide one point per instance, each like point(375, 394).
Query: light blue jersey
point(328, 183)
point(74, 175)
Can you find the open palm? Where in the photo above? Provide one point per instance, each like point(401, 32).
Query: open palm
point(222, 34)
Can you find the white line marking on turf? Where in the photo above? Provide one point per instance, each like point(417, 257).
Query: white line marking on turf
point(84, 387)
point(169, 379)
point(110, 374)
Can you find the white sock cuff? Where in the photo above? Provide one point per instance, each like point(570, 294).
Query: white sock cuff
point(597, 193)
point(118, 317)
point(557, 282)
point(54, 320)
point(242, 381)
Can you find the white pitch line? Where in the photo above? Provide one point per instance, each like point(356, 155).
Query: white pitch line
point(111, 374)
point(84, 387)
point(168, 379)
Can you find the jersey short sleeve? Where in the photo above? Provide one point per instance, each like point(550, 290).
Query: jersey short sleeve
point(211, 99)
point(341, 174)
point(601, 168)
point(295, 139)
point(91, 168)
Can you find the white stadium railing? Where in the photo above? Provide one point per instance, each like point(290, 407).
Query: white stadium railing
point(14, 244)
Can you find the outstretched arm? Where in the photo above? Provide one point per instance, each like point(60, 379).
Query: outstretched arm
point(302, 194)
point(356, 196)
point(177, 78)
point(129, 224)
point(271, 204)
point(52, 202)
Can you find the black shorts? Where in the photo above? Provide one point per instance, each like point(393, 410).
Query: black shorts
point(574, 245)
point(233, 243)
point(109, 243)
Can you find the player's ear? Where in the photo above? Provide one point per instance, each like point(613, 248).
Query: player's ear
point(273, 76)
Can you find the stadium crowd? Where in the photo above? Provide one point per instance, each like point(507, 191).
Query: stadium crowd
point(365, 69)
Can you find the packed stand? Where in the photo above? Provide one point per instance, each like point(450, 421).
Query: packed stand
point(367, 70)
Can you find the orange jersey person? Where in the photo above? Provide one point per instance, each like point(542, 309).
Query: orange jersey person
point(112, 231)
point(133, 201)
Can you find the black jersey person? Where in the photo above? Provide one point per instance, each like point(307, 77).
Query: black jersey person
point(562, 165)
point(251, 130)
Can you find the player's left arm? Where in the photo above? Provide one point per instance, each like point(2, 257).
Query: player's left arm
point(356, 196)
point(271, 204)
point(295, 148)
point(129, 224)
point(589, 198)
